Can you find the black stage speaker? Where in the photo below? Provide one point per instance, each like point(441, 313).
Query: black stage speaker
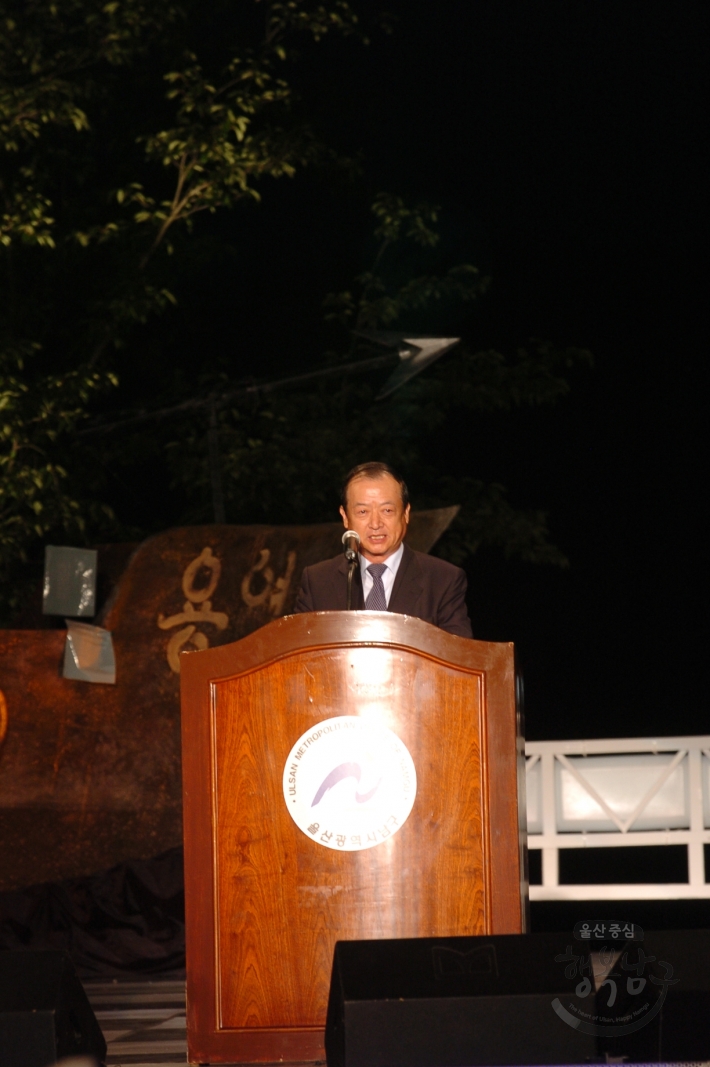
point(519, 999)
point(681, 1030)
point(447, 1002)
point(44, 1011)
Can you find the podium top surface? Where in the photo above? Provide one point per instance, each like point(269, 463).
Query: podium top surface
point(320, 629)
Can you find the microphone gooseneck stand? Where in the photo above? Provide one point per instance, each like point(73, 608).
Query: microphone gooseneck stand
point(351, 543)
point(351, 570)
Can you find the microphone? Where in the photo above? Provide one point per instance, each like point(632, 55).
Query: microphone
point(351, 541)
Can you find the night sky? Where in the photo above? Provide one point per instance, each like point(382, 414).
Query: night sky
point(566, 143)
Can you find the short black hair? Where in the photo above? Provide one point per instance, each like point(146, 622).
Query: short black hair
point(372, 470)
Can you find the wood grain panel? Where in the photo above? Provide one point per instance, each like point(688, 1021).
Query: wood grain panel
point(265, 903)
point(428, 878)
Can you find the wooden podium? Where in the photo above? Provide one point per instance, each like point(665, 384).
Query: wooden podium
point(266, 900)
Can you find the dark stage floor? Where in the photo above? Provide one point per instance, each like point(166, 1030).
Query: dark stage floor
point(143, 1022)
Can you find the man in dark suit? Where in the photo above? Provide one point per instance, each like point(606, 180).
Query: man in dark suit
point(390, 576)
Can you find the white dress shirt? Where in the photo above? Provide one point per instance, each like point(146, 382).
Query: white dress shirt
point(388, 576)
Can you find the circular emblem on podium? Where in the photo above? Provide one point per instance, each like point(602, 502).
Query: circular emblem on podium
point(349, 784)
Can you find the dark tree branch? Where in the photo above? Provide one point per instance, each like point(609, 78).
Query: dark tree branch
point(215, 401)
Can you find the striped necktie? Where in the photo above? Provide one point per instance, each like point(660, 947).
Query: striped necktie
point(376, 599)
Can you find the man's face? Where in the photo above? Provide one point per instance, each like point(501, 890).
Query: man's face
point(375, 512)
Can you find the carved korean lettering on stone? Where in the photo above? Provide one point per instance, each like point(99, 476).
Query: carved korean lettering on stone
point(273, 589)
point(197, 609)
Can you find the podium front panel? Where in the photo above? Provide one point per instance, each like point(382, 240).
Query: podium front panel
point(266, 898)
point(425, 879)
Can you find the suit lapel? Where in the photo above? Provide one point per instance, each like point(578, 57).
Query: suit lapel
point(408, 585)
point(342, 587)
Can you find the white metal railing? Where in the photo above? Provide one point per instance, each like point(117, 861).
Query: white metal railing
point(619, 792)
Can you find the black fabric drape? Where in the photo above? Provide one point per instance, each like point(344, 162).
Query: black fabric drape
point(128, 920)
